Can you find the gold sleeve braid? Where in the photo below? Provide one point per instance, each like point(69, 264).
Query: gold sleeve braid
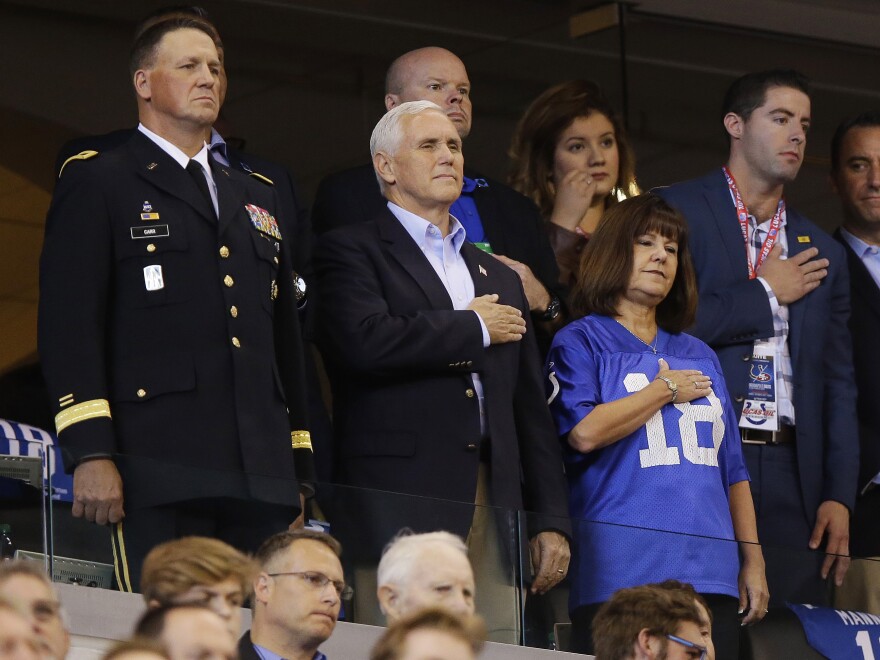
point(301, 440)
point(81, 412)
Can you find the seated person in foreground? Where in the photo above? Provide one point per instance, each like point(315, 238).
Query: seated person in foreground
point(201, 570)
point(432, 634)
point(649, 623)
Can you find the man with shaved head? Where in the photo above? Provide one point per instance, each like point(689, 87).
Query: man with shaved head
point(496, 218)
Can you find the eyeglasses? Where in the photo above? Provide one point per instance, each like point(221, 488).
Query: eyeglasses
point(320, 581)
point(691, 645)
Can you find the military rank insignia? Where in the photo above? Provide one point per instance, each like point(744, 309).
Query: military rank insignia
point(263, 221)
point(147, 212)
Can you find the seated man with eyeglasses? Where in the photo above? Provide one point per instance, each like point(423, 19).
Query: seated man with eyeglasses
point(25, 584)
point(297, 596)
point(649, 623)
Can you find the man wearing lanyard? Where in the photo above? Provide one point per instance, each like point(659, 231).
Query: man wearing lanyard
point(774, 304)
point(855, 177)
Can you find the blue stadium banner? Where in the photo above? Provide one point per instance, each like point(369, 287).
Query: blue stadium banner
point(840, 634)
point(23, 440)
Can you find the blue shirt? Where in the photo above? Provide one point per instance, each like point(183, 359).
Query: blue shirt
point(665, 485)
point(867, 254)
point(266, 654)
point(465, 209)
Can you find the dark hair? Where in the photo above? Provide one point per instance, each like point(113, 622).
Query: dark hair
point(282, 540)
point(534, 141)
point(143, 50)
point(749, 92)
point(619, 621)
point(607, 262)
point(392, 644)
point(152, 624)
point(865, 120)
point(685, 587)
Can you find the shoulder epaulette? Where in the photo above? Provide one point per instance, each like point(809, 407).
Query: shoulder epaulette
point(82, 155)
point(262, 178)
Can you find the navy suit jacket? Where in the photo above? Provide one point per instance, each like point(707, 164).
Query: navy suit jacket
point(865, 327)
point(734, 311)
point(400, 360)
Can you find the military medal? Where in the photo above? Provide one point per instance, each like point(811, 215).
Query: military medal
point(263, 221)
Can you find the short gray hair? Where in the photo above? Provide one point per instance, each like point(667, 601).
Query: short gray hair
point(402, 551)
point(386, 135)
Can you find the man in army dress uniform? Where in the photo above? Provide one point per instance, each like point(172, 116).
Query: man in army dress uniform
point(168, 327)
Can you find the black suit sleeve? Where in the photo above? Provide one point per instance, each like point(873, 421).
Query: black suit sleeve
point(73, 313)
point(544, 488)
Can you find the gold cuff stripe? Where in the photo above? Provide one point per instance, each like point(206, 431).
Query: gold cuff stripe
point(301, 440)
point(66, 400)
point(82, 155)
point(262, 178)
point(81, 412)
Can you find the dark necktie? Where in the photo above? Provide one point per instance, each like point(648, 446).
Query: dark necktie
point(197, 172)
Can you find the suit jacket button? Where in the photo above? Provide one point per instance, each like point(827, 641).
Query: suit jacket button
point(739, 398)
point(747, 357)
point(224, 251)
point(151, 248)
point(469, 393)
point(472, 447)
point(235, 342)
point(141, 393)
point(233, 311)
point(228, 281)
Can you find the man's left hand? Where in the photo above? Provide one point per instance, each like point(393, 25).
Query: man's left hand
point(833, 518)
point(550, 557)
point(536, 293)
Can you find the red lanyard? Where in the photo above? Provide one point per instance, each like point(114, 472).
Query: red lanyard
point(742, 214)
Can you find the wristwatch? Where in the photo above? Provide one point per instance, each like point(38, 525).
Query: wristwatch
point(553, 309)
point(671, 385)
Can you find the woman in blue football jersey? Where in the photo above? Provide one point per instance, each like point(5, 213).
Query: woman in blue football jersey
point(658, 486)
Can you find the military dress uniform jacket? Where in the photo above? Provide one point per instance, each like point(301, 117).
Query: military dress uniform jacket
point(170, 340)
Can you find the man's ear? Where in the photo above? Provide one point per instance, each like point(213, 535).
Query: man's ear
point(391, 101)
point(263, 585)
point(734, 125)
point(384, 167)
point(142, 84)
point(388, 601)
point(647, 645)
point(832, 179)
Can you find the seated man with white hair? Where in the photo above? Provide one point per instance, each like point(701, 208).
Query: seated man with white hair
point(418, 571)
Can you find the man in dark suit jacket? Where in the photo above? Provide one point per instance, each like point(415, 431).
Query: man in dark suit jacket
point(432, 357)
point(855, 177)
point(168, 326)
point(804, 475)
point(493, 214)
